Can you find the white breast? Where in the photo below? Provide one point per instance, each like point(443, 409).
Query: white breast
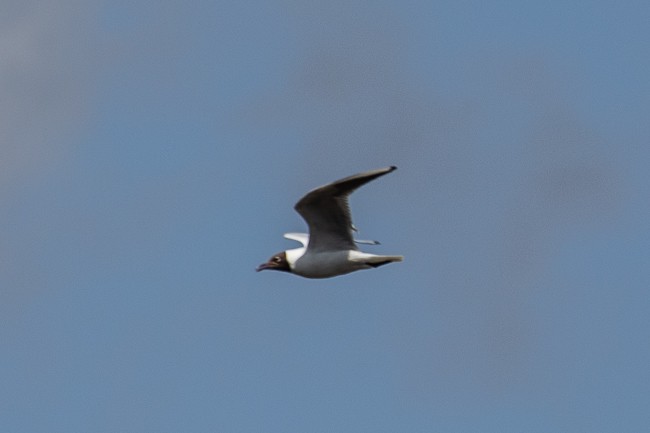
point(293, 256)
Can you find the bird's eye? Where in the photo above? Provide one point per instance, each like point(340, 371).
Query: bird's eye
point(277, 259)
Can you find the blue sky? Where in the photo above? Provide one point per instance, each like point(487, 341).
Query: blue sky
point(150, 157)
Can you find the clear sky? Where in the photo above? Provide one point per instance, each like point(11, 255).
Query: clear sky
point(150, 157)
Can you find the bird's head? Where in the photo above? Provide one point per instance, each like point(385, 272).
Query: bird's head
point(278, 262)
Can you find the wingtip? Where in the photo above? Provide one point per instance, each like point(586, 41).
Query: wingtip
point(393, 167)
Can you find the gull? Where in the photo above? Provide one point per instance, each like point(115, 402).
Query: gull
point(330, 248)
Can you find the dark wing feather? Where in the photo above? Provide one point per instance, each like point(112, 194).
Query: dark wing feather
point(327, 212)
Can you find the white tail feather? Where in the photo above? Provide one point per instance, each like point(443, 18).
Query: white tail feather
point(359, 256)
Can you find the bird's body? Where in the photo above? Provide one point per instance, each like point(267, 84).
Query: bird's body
point(329, 249)
point(327, 264)
point(324, 264)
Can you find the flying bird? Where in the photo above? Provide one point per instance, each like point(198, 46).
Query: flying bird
point(329, 249)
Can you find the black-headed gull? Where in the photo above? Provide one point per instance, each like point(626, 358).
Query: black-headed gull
point(329, 249)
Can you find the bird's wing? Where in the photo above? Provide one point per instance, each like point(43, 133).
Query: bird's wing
point(303, 238)
point(327, 212)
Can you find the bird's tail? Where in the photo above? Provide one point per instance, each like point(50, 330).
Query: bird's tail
point(375, 260)
point(387, 259)
point(384, 260)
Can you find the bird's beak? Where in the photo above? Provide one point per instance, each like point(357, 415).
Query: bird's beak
point(262, 267)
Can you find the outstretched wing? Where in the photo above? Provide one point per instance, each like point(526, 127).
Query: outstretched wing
point(303, 238)
point(327, 212)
